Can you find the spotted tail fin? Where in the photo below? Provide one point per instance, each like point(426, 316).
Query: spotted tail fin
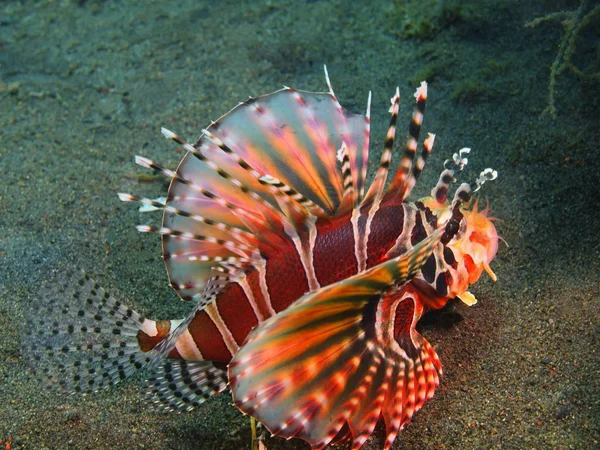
point(80, 338)
point(347, 354)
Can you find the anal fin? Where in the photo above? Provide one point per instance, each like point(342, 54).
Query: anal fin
point(183, 385)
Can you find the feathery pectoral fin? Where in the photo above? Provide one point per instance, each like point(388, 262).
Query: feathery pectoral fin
point(345, 354)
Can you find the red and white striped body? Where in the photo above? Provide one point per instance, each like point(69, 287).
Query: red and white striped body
point(217, 332)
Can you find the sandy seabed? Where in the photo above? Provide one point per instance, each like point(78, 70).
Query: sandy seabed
point(85, 86)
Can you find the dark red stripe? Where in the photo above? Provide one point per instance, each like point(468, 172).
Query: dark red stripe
point(236, 312)
point(208, 338)
point(333, 256)
point(285, 277)
point(385, 229)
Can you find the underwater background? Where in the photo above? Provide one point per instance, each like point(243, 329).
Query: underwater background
point(86, 85)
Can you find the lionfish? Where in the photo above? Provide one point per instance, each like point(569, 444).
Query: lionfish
point(307, 284)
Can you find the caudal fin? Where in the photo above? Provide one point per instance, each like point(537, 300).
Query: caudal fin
point(80, 338)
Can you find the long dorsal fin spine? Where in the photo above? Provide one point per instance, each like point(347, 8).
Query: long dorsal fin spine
point(362, 177)
point(371, 202)
point(404, 179)
point(347, 183)
point(376, 189)
point(420, 163)
point(357, 156)
point(328, 81)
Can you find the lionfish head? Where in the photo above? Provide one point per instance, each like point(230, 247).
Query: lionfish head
point(475, 244)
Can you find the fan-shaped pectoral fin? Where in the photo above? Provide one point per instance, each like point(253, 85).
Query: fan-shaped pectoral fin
point(326, 362)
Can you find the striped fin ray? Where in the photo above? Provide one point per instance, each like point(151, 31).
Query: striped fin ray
point(80, 338)
point(224, 173)
point(374, 194)
point(408, 171)
point(326, 361)
point(291, 201)
point(198, 258)
point(292, 136)
point(419, 165)
point(347, 174)
point(226, 212)
point(196, 248)
point(242, 235)
point(214, 182)
point(261, 174)
point(223, 168)
point(233, 202)
point(237, 248)
point(179, 385)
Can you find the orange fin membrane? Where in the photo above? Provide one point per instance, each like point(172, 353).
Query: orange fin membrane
point(262, 173)
point(329, 361)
